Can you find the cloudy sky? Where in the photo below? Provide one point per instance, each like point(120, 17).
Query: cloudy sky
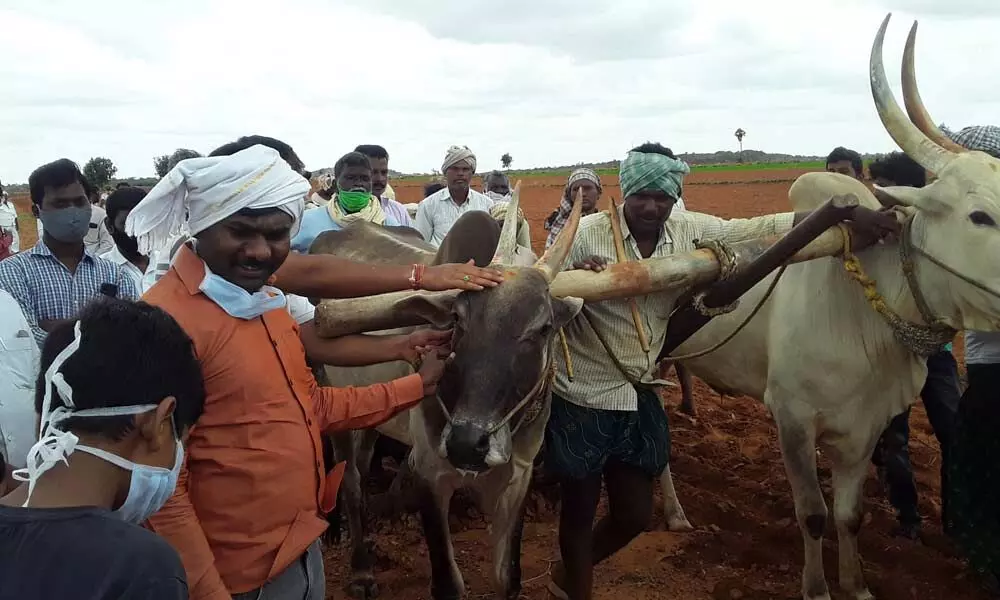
point(550, 81)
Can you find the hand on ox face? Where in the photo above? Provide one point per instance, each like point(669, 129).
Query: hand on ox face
point(432, 364)
point(441, 278)
point(870, 226)
point(592, 263)
point(424, 340)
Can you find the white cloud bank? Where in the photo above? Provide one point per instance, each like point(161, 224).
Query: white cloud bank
point(550, 81)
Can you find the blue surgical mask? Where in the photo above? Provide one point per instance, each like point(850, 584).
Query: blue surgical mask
point(238, 302)
point(149, 488)
point(67, 225)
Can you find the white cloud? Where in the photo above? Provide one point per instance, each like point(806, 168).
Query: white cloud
point(552, 82)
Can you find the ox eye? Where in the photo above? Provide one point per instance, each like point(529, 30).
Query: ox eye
point(981, 218)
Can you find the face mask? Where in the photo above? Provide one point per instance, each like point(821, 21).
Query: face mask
point(127, 244)
point(498, 197)
point(236, 301)
point(353, 201)
point(67, 225)
point(150, 487)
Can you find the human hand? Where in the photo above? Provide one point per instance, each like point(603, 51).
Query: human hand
point(869, 227)
point(456, 276)
point(420, 341)
point(592, 263)
point(431, 369)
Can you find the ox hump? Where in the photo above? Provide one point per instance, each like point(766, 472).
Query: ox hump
point(813, 190)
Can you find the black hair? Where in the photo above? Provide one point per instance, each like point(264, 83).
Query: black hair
point(286, 151)
point(58, 174)
point(130, 353)
point(122, 184)
point(351, 159)
point(493, 174)
point(372, 151)
point(654, 148)
point(840, 154)
point(182, 154)
point(123, 199)
point(898, 168)
point(432, 188)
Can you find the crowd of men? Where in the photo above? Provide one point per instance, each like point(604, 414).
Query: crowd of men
point(194, 412)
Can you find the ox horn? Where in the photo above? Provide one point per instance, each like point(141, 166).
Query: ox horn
point(907, 136)
point(507, 246)
point(914, 104)
point(551, 263)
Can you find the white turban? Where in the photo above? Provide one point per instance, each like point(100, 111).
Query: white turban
point(457, 154)
point(200, 192)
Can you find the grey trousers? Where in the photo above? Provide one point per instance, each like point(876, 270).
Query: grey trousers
point(302, 580)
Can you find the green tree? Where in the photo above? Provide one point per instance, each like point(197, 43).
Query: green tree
point(99, 171)
point(506, 160)
point(160, 164)
point(739, 138)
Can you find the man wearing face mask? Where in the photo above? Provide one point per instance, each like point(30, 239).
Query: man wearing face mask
point(352, 202)
point(56, 278)
point(497, 186)
point(122, 386)
point(248, 513)
point(125, 254)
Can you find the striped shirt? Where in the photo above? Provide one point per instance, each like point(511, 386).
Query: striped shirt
point(46, 289)
point(438, 212)
point(598, 383)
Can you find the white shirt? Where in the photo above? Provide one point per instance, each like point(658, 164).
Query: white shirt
point(438, 212)
point(130, 269)
point(679, 205)
point(98, 239)
point(8, 222)
point(19, 360)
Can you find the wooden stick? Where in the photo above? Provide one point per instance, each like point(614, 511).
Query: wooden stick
point(616, 232)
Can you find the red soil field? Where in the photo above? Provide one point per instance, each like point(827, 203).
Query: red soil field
point(729, 477)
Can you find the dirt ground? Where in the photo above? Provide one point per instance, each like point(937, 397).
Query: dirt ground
point(729, 478)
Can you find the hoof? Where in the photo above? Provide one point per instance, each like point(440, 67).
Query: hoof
point(363, 589)
point(679, 524)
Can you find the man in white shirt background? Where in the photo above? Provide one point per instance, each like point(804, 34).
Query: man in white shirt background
point(439, 211)
point(125, 252)
point(19, 358)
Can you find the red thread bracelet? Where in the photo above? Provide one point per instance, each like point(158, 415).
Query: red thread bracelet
point(416, 275)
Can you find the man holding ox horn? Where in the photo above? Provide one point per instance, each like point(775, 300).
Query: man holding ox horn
point(607, 423)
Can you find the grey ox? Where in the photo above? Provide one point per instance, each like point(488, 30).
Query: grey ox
point(832, 370)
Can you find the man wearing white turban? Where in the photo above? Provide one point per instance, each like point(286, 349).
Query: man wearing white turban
point(439, 211)
point(255, 455)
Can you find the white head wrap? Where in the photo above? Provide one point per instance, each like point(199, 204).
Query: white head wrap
point(200, 192)
point(457, 154)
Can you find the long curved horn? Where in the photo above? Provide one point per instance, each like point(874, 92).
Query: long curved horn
point(911, 140)
point(507, 246)
point(551, 263)
point(914, 104)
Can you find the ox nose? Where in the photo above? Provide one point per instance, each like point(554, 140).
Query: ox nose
point(468, 446)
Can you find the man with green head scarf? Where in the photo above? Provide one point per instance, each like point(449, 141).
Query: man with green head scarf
point(608, 423)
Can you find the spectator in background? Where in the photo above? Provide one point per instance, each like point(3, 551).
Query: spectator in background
point(10, 239)
point(580, 180)
point(379, 160)
point(57, 277)
point(940, 393)
point(112, 446)
point(497, 186)
point(439, 211)
point(125, 254)
point(433, 187)
point(846, 162)
point(98, 239)
point(19, 357)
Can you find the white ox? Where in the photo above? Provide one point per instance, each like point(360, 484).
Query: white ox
point(826, 364)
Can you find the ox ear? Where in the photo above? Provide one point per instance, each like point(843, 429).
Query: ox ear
point(435, 309)
point(564, 310)
point(927, 199)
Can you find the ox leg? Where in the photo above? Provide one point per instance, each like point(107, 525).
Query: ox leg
point(506, 530)
point(848, 483)
point(353, 496)
point(672, 510)
point(797, 436)
point(446, 579)
point(687, 389)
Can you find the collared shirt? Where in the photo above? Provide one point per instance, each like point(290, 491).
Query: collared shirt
point(46, 289)
point(318, 220)
point(597, 382)
point(19, 360)
point(249, 496)
point(438, 212)
point(8, 222)
point(116, 256)
point(397, 211)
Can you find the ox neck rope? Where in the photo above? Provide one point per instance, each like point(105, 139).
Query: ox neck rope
point(921, 339)
point(532, 401)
